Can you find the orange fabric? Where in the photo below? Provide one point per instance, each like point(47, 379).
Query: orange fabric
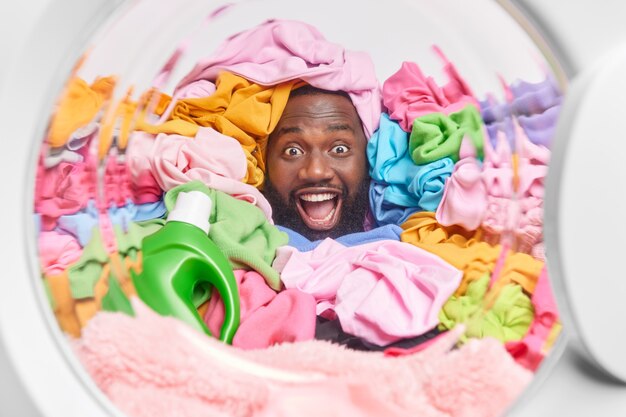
point(59, 285)
point(78, 106)
point(86, 308)
point(119, 122)
point(240, 109)
point(120, 270)
point(462, 249)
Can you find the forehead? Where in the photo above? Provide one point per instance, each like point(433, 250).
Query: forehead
point(319, 109)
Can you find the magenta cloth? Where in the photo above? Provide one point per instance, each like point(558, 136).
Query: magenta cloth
point(215, 159)
point(116, 182)
point(382, 291)
point(57, 252)
point(464, 200)
point(409, 94)
point(156, 366)
point(267, 317)
point(64, 189)
point(282, 50)
point(530, 350)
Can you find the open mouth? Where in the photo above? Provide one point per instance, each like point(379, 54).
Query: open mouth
point(319, 208)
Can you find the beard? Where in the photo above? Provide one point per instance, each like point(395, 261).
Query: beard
point(353, 212)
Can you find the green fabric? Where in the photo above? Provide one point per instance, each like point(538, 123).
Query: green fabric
point(84, 274)
point(508, 319)
point(129, 243)
point(115, 300)
point(240, 230)
point(435, 136)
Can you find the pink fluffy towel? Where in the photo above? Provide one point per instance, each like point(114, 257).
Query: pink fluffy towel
point(156, 366)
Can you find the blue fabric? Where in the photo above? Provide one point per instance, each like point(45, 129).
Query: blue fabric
point(150, 211)
point(403, 183)
point(123, 216)
point(389, 232)
point(81, 224)
point(385, 213)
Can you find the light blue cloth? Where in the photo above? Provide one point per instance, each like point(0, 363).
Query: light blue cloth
point(389, 232)
point(81, 224)
point(37, 222)
point(150, 211)
point(406, 184)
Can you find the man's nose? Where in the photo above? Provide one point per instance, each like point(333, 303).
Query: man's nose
point(316, 169)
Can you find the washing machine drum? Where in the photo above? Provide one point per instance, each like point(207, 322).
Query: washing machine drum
point(276, 208)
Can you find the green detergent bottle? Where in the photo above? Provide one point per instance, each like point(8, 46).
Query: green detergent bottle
point(180, 259)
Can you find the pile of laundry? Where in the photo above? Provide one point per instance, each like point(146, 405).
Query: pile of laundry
point(441, 307)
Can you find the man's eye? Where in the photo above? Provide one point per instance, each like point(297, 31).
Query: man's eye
point(340, 149)
point(293, 151)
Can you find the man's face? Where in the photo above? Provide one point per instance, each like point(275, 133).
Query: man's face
point(317, 168)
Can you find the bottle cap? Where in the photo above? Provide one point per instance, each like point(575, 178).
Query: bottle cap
point(193, 207)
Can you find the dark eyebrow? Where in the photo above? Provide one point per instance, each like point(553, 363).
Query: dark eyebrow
point(339, 127)
point(289, 129)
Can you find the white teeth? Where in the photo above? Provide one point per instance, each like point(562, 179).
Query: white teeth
point(317, 197)
point(329, 216)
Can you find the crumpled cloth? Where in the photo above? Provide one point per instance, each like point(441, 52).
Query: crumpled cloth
point(382, 291)
point(464, 199)
point(409, 94)
point(216, 160)
point(267, 317)
point(277, 51)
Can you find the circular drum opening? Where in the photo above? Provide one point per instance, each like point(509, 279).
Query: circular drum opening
point(274, 208)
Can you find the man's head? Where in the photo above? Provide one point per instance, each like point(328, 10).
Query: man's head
point(317, 167)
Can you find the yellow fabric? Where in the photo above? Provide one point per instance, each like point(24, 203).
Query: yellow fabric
point(240, 109)
point(78, 106)
point(519, 268)
point(462, 249)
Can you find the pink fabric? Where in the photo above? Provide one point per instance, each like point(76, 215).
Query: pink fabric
point(215, 159)
point(64, 189)
point(532, 166)
point(382, 291)
point(464, 198)
point(521, 215)
point(281, 50)
point(144, 186)
point(267, 318)
point(498, 167)
point(530, 350)
point(409, 94)
point(190, 374)
point(109, 241)
point(57, 252)
point(116, 182)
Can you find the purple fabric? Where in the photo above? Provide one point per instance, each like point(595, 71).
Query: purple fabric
point(281, 50)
